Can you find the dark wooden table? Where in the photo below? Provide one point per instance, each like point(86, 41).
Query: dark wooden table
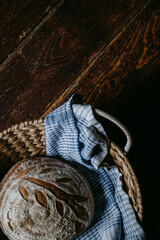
point(108, 51)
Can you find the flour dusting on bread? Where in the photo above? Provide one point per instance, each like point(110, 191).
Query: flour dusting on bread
point(45, 198)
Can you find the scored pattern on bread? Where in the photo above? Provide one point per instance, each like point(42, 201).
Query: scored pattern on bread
point(45, 198)
point(24, 192)
point(24, 172)
point(42, 198)
point(68, 198)
point(46, 170)
point(60, 207)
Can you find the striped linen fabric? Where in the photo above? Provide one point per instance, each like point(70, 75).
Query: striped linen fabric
point(73, 134)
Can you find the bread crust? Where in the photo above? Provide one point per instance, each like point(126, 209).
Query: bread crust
point(45, 198)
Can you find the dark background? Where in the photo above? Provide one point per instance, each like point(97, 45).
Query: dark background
point(141, 114)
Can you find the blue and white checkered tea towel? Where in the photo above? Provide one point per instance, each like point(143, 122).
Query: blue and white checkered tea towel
point(73, 133)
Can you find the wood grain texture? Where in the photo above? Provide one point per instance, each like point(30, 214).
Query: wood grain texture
point(17, 20)
point(107, 51)
point(53, 56)
point(122, 65)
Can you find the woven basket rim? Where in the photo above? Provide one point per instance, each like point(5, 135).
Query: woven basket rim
point(116, 152)
point(21, 125)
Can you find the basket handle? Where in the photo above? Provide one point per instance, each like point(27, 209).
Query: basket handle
point(120, 125)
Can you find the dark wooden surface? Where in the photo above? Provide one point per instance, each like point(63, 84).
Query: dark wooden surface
point(108, 51)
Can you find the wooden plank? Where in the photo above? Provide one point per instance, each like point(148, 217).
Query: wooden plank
point(54, 55)
point(122, 65)
point(17, 19)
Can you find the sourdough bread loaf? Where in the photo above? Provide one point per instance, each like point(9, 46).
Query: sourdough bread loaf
point(45, 198)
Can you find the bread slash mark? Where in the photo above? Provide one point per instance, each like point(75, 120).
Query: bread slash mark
point(24, 192)
point(42, 198)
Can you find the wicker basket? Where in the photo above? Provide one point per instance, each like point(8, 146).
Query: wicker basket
point(27, 139)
